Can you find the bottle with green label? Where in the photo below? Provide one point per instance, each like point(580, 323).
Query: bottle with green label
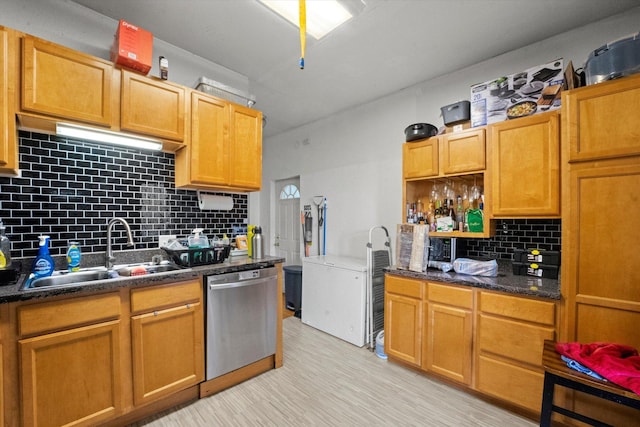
point(5, 248)
point(73, 256)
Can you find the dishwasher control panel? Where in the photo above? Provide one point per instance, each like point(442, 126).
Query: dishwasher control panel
point(246, 275)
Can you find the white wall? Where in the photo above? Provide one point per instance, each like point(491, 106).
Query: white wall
point(354, 158)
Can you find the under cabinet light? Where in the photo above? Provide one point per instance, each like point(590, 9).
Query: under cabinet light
point(107, 137)
point(322, 15)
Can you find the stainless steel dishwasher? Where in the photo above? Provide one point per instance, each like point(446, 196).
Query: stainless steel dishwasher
point(242, 309)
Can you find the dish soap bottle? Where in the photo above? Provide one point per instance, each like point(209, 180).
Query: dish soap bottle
point(5, 248)
point(73, 257)
point(197, 239)
point(43, 265)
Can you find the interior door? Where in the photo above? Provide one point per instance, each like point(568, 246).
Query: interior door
point(287, 233)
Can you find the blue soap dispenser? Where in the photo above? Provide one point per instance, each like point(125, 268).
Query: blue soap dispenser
point(43, 265)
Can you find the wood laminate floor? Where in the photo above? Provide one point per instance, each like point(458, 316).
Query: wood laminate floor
point(328, 382)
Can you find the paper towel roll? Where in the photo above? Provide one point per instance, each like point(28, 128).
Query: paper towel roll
point(208, 202)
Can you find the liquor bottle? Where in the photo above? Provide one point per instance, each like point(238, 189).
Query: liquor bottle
point(452, 214)
point(460, 214)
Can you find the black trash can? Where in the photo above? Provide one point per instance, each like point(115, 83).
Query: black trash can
point(293, 288)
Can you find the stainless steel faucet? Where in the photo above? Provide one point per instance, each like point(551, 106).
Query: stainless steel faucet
point(110, 259)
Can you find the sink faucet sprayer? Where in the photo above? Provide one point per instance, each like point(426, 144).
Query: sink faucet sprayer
point(110, 259)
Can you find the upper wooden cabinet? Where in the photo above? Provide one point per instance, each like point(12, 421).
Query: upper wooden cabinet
point(601, 121)
point(456, 161)
point(525, 167)
point(8, 82)
point(152, 107)
point(225, 148)
point(246, 147)
point(64, 83)
point(449, 154)
point(420, 159)
point(206, 159)
point(463, 152)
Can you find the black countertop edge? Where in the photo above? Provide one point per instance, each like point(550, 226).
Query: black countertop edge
point(506, 281)
point(11, 293)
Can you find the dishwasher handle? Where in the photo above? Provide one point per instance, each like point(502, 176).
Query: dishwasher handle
point(241, 283)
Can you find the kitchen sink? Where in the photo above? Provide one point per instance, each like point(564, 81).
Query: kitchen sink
point(66, 279)
point(63, 278)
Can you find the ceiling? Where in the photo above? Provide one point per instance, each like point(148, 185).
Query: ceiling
point(390, 45)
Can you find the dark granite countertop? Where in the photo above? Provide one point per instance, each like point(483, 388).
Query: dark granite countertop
point(10, 293)
point(506, 281)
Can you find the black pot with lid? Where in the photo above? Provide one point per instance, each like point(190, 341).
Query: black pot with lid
point(420, 131)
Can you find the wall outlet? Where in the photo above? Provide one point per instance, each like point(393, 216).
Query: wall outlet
point(163, 239)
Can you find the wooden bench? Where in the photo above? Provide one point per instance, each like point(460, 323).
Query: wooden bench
point(556, 372)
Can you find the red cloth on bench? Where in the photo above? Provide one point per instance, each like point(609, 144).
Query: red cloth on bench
point(618, 363)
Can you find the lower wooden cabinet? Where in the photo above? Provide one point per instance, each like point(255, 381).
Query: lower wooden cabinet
point(403, 319)
point(167, 343)
point(448, 332)
point(101, 358)
point(488, 341)
point(72, 377)
point(70, 371)
point(510, 336)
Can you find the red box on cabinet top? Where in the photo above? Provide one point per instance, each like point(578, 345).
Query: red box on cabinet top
point(132, 47)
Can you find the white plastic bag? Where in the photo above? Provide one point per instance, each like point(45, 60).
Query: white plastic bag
point(476, 268)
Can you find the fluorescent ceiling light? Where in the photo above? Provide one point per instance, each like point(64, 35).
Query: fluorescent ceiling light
point(108, 137)
point(322, 15)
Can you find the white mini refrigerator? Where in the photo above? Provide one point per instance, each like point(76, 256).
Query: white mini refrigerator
point(334, 291)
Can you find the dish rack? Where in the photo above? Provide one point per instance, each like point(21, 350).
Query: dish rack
point(199, 256)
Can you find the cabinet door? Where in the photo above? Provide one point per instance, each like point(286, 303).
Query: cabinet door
point(8, 79)
point(463, 152)
point(403, 328)
point(448, 329)
point(72, 377)
point(602, 275)
point(601, 120)
point(420, 159)
point(448, 342)
point(246, 148)
point(152, 107)
point(168, 351)
point(208, 153)
point(64, 83)
point(525, 167)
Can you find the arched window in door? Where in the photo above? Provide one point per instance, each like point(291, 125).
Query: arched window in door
point(289, 191)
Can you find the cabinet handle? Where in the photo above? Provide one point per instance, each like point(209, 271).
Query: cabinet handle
point(188, 305)
point(155, 313)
